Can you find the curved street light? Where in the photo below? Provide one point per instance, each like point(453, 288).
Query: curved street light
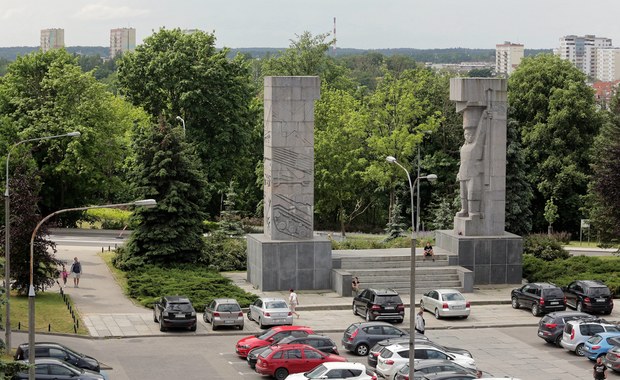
point(147, 203)
point(7, 233)
point(183, 122)
point(415, 221)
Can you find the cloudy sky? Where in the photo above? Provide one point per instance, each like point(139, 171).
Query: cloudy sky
point(360, 23)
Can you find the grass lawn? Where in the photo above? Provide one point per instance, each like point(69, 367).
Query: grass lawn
point(585, 243)
point(119, 275)
point(50, 309)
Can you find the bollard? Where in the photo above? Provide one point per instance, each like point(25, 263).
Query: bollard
point(102, 250)
point(77, 323)
point(49, 327)
point(19, 325)
point(108, 248)
point(74, 329)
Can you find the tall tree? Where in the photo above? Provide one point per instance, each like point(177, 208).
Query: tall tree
point(556, 113)
point(518, 190)
point(166, 169)
point(179, 74)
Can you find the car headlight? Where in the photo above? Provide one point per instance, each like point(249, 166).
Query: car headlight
point(193, 313)
point(244, 346)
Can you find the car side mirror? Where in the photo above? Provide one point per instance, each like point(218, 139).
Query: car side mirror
point(564, 288)
point(269, 339)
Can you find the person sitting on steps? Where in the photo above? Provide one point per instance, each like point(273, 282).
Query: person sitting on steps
point(428, 251)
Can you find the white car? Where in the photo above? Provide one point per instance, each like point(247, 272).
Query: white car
point(576, 333)
point(393, 357)
point(270, 312)
point(445, 303)
point(337, 371)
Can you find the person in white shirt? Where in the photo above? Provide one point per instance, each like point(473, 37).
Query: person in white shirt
point(420, 324)
point(293, 302)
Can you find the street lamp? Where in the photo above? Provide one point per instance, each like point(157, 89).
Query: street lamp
point(414, 232)
point(147, 203)
point(183, 122)
point(7, 233)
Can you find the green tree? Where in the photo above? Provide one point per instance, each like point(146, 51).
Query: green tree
point(230, 223)
point(556, 113)
point(177, 74)
point(396, 226)
point(165, 169)
point(518, 190)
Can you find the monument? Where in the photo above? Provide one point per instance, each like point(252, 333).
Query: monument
point(287, 255)
point(478, 239)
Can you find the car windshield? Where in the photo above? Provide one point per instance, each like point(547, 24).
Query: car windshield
point(599, 292)
point(316, 373)
point(595, 339)
point(185, 307)
point(612, 329)
point(553, 292)
point(453, 297)
point(388, 299)
point(230, 307)
point(265, 335)
point(276, 305)
point(266, 353)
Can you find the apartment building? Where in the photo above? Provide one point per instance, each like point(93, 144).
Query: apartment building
point(581, 51)
point(608, 64)
point(52, 39)
point(122, 40)
point(507, 57)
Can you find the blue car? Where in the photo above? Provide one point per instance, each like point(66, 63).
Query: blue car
point(600, 343)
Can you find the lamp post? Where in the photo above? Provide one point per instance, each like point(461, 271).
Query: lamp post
point(147, 203)
point(182, 122)
point(414, 231)
point(7, 233)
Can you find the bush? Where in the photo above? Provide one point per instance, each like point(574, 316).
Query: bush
point(200, 284)
point(544, 247)
point(562, 237)
point(223, 253)
point(110, 218)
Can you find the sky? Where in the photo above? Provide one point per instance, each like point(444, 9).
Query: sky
point(364, 24)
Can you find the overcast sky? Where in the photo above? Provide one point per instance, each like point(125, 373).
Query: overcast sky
point(360, 23)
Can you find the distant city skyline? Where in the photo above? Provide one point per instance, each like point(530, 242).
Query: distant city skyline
point(363, 24)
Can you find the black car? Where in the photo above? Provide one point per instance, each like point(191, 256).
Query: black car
point(50, 368)
point(320, 342)
point(589, 296)
point(379, 305)
point(551, 326)
point(60, 352)
point(419, 339)
point(174, 311)
point(359, 337)
point(540, 297)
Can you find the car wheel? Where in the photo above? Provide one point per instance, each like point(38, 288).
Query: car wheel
point(280, 374)
point(240, 327)
point(368, 317)
point(535, 310)
point(260, 323)
point(161, 323)
point(213, 326)
point(361, 349)
point(515, 303)
point(558, 341)
point(579, 307)
point(437, 313)
point(204, 317)
point(579, 350)
point(155, 317)
point(465, 316)
point(607, 312)
point(354, 310)
point(193, 328)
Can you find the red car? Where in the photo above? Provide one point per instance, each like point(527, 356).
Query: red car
point(267, 337)
point(278, 361)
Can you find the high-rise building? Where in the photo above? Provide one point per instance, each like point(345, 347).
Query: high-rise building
point(52, 39)
point(581, 51)
point(122, 40)
point(608, 64)
point(507, 57)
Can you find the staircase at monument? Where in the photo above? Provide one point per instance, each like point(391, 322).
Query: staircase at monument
point(392, 269)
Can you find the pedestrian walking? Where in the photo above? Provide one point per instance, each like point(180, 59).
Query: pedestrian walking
point(76, 272)
point(64, 274)
point(355, 285)
point(293, 301)
point(600, 369)
point(420, 323)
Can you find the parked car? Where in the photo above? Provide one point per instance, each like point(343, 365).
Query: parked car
point(320, 342)
point(58, 351)
point(612, 359)
point(175, 312)
point(376, 349)
point(540, 297)
point(359, 337)
point(551, 326)
point(280, 360)
point(224, 312)
point(337, 371)
point(445, 303)
point(423, 367)
point(245, 345)
point(448, 376)
point(600, 344)
point(52, 368)
point(423, 351)
point(576, 333)
point(270, 312)
point(589, 296)
point(379, 305)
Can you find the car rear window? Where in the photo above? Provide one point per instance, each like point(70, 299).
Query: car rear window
point(387, 299)
point(599, 292)
point(276, 305)
point(385, 353)
point(228, 307)
point(453, 297)
point(553, 292)
point(611, 329)
point(185, 307)
point(547, 319)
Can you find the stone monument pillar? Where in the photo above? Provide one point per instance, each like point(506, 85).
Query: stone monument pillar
point(478, 237)
point(288, 255)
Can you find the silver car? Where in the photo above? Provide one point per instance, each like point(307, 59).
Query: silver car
point(224, 312)
point(270, 312)
point(445, 303)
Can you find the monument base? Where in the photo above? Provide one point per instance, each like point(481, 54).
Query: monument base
point(493, 259)
point(289, 264)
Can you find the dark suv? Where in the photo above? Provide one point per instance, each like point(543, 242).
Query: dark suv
point(174, 311)
point(540, 297)
point(359, 337)
point(551, 326)
point(589, 296)
point(379, 305)
point(58, 351)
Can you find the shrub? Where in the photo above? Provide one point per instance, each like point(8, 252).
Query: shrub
point(110, 219)
point(563, 237)
point(544, 247)
point(223, 253)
